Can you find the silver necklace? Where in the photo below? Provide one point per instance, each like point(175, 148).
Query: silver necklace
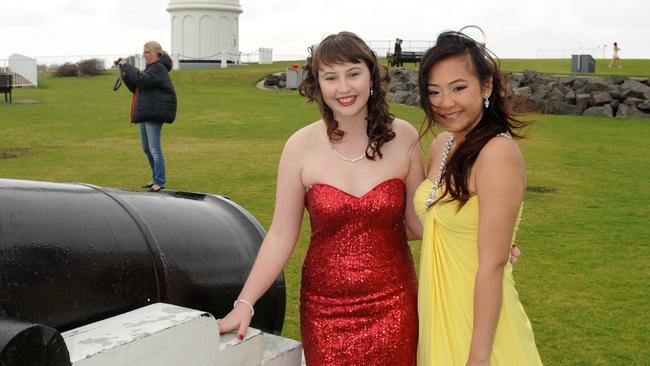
point(436, 184)
point(351, 160)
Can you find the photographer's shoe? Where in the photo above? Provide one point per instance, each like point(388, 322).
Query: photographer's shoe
point(148, 185)
point(155, 188)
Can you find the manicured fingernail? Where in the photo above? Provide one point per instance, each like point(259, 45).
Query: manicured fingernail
point(241, 337)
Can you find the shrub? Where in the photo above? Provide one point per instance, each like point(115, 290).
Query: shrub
point(67, 69)
point(91, 67)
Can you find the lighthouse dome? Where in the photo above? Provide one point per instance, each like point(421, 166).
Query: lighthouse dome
point(205, 30)
point(204, 4)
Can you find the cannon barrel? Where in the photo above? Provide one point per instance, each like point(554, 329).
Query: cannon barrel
point(72, 253)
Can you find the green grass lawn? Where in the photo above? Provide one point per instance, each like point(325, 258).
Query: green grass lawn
point(631, 67)
point(584, 277)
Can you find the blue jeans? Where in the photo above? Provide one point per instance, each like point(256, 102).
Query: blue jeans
point(150, 138)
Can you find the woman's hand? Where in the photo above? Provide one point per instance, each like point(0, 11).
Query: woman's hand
point(238, 318)
point(515, 252)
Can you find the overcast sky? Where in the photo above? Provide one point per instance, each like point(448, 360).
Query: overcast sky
point(514, 29)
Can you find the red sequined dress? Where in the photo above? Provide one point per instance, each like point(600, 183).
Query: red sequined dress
point(358, 298)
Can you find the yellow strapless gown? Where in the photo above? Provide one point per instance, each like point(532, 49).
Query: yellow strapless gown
point(449, 260)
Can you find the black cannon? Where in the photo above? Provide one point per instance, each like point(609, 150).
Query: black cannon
point(72, 254)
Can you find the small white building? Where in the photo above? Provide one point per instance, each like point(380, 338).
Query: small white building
point(24, 70)
point(205, 31)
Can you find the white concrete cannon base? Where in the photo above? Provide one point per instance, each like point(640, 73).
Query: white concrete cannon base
point(169, 335)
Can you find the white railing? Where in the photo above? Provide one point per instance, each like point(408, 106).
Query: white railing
point(256, 57)
point(595, 52)
point(261, 55)
point(51, 63)
point(219, 56)
point(382, 48)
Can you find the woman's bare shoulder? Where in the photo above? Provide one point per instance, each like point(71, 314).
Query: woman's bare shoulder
point(503, 155)
point(400, 125)
point(405, 132)
point(500, 147)
point(306, 135)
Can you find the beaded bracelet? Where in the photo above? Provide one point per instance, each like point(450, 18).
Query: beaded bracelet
point(245, 302)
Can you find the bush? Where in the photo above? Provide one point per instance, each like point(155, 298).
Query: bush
point(67, 69)
point(91, 67)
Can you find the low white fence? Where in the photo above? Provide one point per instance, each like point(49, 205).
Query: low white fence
point(261, 55)
point(51, 63)
point(595, 52)
point(382, 48)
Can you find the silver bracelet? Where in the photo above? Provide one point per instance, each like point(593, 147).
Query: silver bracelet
point(245, 302)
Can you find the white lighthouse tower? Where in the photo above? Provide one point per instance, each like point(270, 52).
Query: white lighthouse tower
point(205, 31)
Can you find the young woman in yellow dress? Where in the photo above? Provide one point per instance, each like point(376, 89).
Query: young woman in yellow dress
point(469, 310)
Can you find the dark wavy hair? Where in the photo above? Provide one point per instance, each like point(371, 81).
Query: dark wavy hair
point(496, 119)
point(348, 47)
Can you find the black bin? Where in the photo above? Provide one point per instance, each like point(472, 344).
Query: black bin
point(583, 63)
point(72, 254)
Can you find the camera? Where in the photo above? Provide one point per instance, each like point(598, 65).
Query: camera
point(118, 82)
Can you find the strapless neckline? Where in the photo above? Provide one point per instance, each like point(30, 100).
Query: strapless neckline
point(373, 189)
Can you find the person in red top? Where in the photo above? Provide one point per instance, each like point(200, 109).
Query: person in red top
point(359, 292)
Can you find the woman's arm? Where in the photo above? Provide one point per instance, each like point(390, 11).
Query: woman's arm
point(279, 241)
point(154, 75)
point(500, 181)
point(414, 177)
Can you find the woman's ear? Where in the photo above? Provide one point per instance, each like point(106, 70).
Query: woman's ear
point(486, 88)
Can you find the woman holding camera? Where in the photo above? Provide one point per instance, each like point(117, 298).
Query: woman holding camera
point(154, 103)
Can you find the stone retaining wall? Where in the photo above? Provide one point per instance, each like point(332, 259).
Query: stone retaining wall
point(532, 92)
point(538, 93)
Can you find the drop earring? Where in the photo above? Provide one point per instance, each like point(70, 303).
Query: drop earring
point(486, 101)
point(371, 92)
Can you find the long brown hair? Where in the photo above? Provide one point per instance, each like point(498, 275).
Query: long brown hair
point(496, 119)
point(348, 47)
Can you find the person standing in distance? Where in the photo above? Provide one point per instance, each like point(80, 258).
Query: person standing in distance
point(397, 54)
point(154, 103)
point(616, 60)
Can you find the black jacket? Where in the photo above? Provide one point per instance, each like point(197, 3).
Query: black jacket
point(154, 98)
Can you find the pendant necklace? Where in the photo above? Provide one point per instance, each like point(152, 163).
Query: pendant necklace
point(350, 160)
